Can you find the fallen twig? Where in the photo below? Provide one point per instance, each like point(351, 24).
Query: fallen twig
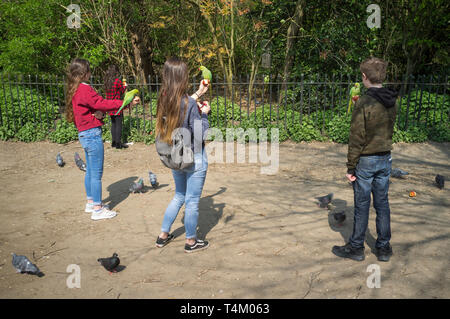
point(312, 277)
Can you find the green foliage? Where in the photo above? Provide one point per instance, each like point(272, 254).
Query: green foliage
point(6, 133)
point(64, 133)
point(411, 135)
point(338, 128)
point(31, 133)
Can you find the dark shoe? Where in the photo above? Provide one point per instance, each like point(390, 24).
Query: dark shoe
point(121, 145)
point(348, 251)
point(113, 144)
point(198, 245)
point(160, 243)
point(384, 253)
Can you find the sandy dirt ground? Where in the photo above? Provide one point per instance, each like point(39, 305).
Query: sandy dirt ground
point(268, 238)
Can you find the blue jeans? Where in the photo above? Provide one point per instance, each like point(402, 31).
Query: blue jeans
point(92, 143)
point(372, 176)
point(188, 189)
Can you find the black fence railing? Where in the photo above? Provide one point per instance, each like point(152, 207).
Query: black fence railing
point(423, 101)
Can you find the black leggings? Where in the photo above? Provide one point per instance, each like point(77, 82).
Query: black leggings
point(116, 128)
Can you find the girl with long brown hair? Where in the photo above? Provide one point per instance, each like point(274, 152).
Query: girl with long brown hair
point(175, 109)
point(82, 102)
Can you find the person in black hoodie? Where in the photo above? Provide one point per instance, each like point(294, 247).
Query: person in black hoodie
point(369, 161)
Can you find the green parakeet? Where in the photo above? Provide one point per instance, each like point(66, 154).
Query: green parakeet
point(206, 74)
point(129, 96)
point(354, 95)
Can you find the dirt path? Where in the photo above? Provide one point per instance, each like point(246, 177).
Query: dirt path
point(268, 237)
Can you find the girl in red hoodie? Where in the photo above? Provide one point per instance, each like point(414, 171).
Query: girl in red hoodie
point(82, 103)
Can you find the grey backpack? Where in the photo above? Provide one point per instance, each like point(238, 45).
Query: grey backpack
point(179, 155)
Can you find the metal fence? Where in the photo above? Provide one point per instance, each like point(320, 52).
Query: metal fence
point(270, 101)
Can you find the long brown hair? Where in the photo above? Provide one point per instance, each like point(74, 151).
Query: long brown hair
point(76, 73)
point(110, 76)
point(175, 82)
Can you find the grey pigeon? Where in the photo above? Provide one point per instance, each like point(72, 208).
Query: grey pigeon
point(440, 181)
point(153, 180)
point(325, 200)
point(110, 263)
point(137, 187)
point(397, 172)
point(81, 165)
point(59, 160)
point(339, 217)
point(24, 265)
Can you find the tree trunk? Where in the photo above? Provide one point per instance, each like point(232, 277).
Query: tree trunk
point(142, 57)
point(292, 33)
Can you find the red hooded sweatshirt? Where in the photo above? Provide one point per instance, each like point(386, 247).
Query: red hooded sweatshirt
point(85, 102)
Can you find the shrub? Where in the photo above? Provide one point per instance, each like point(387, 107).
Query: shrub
point(64, 133)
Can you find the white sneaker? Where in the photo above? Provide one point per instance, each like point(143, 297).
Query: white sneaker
point(89, 208)
point(103, 214)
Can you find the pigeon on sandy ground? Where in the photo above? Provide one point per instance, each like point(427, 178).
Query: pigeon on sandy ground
point(339, 217)
point(397, 173)
point(59, 160)
point(325, 200)
point(153, 180)
point(110, 263)
point(137, 187)
point(440, 181)
point(81, 165)
point(24, 265)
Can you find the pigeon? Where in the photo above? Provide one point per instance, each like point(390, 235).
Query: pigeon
point(59, 160)
point(137, 187)
point(339, 217)
point(397, 172)
point(81, 165)
point(24, 265)
point(110, 263)
point(325, 200)
point(440, 181)
point(153, 180)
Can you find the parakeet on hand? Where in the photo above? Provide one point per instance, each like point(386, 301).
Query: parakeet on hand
point(206, 74)
point(354, 95)
point(129, 96)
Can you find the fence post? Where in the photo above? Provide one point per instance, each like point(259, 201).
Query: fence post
point(409, 88)
point(240, 98)
point(301, 98)
point(18, 98)
point(435, 99)
point(12, 103)
point(420, 99)
point(6, 105)
point(232, 99)
point(270, 98)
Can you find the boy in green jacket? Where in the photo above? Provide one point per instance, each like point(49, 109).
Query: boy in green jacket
point(369, 161)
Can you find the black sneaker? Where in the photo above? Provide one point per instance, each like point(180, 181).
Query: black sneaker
point(113, 144)
point(121, 145)
point(160, 243)
point(198, 245)
point(348, 251)
point(384, 253)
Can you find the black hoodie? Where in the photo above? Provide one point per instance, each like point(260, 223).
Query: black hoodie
point(385, 96)
point(372, 125)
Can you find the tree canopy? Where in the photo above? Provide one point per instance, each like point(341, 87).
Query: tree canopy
point(230, 37)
